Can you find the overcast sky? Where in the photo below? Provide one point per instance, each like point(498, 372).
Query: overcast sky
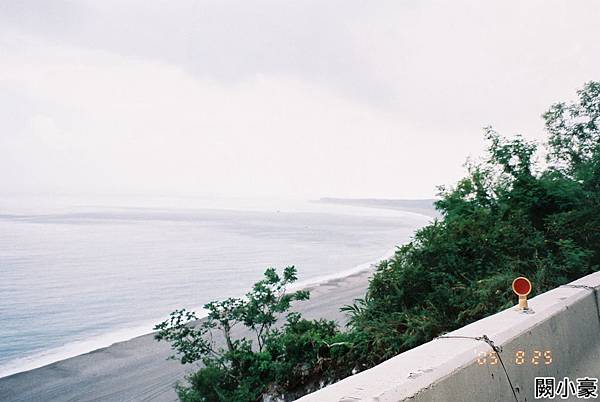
point(300, 98)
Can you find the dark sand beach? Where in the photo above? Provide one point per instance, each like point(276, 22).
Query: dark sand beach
point(138, 369)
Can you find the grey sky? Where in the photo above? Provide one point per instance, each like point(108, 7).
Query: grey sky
point(340, 98)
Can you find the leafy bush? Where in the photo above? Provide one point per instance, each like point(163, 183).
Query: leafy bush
point(509, 216)
point(300, 355)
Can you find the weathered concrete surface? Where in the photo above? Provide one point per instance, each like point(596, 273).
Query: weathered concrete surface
point(566, 322)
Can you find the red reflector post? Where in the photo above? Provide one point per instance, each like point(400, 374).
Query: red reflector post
point(522, 287)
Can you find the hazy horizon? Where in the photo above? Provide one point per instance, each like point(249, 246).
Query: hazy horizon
point(307, 99)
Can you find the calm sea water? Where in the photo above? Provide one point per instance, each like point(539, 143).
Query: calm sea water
point(75, 277)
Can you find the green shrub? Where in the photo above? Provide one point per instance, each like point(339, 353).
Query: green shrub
point(508, 217)
point(296, 357)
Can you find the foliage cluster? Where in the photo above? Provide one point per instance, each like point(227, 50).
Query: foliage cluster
point(299, 354)
point(511, 215)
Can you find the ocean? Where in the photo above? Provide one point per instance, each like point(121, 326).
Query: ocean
point(77, 274)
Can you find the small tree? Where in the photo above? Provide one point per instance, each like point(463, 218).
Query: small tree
point(293, 357)
point(259, 311)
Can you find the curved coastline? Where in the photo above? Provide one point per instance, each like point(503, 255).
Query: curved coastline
point(101, 341)
point(129, 364)
point(139, 368)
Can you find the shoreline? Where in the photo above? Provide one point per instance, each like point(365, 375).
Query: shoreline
point(136, 367)
point(139, 369)
point(102, 341)
point(127, 331)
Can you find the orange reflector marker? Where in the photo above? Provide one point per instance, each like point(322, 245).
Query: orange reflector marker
point(522, 287)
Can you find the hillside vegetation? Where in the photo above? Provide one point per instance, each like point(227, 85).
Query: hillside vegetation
point(515, 213)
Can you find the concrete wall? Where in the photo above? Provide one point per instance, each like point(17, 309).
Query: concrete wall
point(565, 321)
